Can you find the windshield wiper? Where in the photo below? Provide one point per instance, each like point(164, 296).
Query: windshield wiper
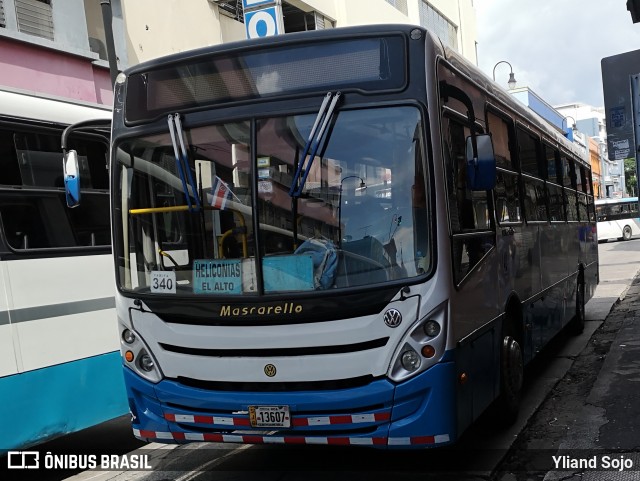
point(182, 163)
point(323, 120)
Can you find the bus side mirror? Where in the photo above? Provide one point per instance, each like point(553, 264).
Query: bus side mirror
point(71, 178)
point(481, 164)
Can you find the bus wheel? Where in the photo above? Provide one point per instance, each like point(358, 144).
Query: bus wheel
point(577, 323)
point(511, 377)
point(626, 233)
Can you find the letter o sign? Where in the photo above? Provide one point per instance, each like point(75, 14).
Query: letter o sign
point(261, 23)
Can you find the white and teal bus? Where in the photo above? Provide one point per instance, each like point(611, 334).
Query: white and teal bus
point(59, 361)
point(617, 218)
point(348, 236)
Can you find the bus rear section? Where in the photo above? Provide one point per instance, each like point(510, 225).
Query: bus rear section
point(59, 361)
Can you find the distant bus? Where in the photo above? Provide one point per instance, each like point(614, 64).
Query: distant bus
point(617, 218)
point(59, 360)
point(348, 236)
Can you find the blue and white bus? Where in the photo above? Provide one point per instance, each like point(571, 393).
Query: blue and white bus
point(617, 218)
point(349, 236)
point(59, 361)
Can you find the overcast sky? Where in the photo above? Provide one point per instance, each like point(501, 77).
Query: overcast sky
point(554, 46)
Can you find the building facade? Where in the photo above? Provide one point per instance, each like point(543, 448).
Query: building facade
point(584, 125)
point(591, 120)
point(58, 48)
point(159, 27)
point(595, 153)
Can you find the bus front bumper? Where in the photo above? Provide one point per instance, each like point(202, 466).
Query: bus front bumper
point(417, 413)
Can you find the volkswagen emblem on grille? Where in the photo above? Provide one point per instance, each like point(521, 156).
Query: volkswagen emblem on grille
point(392, 318)
point(270, 370)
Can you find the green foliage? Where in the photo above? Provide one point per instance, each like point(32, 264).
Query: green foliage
point(630, 177)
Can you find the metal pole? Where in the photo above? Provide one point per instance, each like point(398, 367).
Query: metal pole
point(107, 18)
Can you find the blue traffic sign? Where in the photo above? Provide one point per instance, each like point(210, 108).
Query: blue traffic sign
point(262, 23)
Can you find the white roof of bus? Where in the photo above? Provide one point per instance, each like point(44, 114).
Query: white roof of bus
point(29, 105)
point(616, 201)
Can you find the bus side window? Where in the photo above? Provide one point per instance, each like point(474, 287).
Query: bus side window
point(507, 194)
point(569, 183)
point(535, 195)
point(468, 210)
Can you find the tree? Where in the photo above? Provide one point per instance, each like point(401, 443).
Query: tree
point(630, 177)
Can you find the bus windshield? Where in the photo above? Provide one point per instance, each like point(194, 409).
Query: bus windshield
point(361, 218)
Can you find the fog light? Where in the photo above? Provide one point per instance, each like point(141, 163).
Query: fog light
point(128, 336)
point(431, 328)
point(410, 360)
point(146, 362)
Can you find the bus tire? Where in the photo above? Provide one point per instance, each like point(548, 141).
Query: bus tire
point(577, 323)
point(511, 376)
point(626, 233)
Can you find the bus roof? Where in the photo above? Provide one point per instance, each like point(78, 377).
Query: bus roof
point(33, 106)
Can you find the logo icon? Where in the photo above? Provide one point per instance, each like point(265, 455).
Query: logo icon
point(392, 318)
point(23, 459)
point(270, 370)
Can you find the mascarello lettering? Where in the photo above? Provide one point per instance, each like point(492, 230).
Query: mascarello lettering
point(284, 308)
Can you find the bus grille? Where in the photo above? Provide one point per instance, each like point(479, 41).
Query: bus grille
point(276, 386)
point(279, 352)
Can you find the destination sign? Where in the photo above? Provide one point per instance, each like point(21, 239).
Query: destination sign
point(217, 276)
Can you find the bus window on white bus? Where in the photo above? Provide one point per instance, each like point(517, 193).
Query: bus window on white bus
point(36, 217)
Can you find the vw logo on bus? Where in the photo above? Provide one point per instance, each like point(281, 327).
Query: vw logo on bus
point(270, 370)
point(392, 318)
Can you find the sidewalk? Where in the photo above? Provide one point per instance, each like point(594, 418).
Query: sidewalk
point(608, 423)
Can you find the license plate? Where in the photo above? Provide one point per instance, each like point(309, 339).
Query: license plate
point(269, 416)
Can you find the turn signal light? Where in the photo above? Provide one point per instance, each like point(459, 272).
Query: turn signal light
point(428, 351)
point(128, 356)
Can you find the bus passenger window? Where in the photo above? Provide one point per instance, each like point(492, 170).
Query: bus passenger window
point(506, 190)
point(468, 210)
point(507, 197)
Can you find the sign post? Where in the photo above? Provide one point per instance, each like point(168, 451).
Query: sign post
point(617, 71)
point(635, 96)
point(263, 18)
point(621, 87)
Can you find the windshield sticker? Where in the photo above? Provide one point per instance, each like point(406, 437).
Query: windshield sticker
point(163, 282)
point(265, 187)
point(220, 276)
point(264, 173)
point(288, 273)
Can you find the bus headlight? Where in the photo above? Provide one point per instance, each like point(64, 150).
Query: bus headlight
point(137, 355)
point(422, 346)
point(431, 328)
point(146, 362)
point(410, 360)
point(128, 336)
